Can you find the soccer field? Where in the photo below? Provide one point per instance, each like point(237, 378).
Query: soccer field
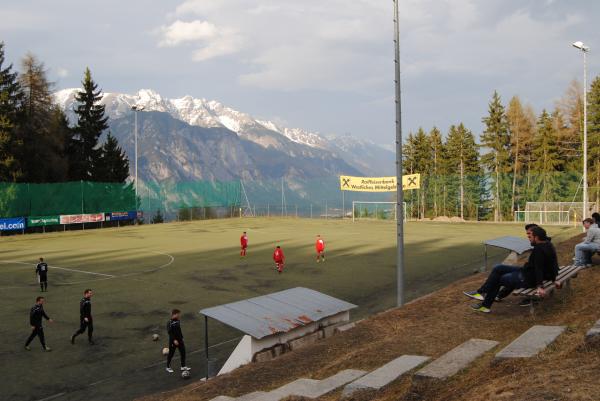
point(139, 273)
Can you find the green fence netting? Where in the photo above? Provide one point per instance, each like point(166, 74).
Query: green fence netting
point(24, 199)
point(81, 197)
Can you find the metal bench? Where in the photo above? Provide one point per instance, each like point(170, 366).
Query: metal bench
point(565, 274)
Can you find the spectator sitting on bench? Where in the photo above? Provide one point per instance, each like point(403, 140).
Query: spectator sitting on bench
point(542, 265)
point(591, 244)
point(596, 217)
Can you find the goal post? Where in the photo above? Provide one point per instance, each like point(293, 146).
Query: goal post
point(552, 213)
point(362, 210)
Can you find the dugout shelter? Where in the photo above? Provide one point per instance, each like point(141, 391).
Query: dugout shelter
point(276, 323)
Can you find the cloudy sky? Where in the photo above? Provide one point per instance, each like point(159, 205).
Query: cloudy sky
point(324, 65)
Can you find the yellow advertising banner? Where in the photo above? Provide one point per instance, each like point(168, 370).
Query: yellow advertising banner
point(378, 184)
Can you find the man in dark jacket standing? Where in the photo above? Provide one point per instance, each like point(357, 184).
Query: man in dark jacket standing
point(41, 271)
point(542, 265)
point(35, 320)
point(175, 340)
point(85, 317)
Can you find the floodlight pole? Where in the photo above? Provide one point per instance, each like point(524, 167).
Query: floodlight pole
point(584, 49)
point(136, 109)
point(585, 162)
point(400, 195)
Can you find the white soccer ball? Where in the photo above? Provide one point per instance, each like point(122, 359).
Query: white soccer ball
point(155, 337)
point(165, 351)
point(185, 374)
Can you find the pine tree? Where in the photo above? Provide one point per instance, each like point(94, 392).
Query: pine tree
point(521, 128)
point(437, 171)
point(462, 157)
point(11, 98)
point(113, 165)
point(546, 158)
point(593, 131)
point(497, 161)
point(42, 131)
point(56, 158)
point(422, 165)
point(91, 123)
point(570, 137)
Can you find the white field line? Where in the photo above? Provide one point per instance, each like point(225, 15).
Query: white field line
point(105, 276)
point(60, 268)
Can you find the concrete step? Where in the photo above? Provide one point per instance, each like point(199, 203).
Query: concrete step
point(593, 335)
point(385, 375)
point(456, 359)
point(332, 383)
point(255, 396)
point(307, 388)
point(531, 343)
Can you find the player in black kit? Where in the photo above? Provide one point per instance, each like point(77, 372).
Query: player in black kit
point(175, 340)
point(41, 270)
point(35, 320)
point(85, 317)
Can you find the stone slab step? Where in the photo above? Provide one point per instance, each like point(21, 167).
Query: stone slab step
point(385, 375)
point(456, 359)
point(332, 383)
point(255, 396)
point(593, 335)
point(531, 343)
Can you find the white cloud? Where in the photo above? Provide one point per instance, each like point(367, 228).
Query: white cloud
point(342, 45)
point(181, 32)
point(209, 40)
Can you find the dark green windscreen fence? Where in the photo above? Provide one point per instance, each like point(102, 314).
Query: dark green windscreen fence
point(23, 199)
point(79, 197)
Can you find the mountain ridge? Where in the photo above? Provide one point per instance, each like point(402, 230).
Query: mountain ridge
point(366, 156)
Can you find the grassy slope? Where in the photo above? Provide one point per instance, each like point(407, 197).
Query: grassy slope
point(206, 271)
point(432, 325)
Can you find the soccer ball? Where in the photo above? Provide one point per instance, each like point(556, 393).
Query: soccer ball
point(165, 351)
point(185, 374)
point(155, 337)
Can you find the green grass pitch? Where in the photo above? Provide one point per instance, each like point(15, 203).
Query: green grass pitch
point(140, 273)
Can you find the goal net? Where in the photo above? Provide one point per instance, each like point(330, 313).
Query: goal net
point(362, 210)
point(553, 213)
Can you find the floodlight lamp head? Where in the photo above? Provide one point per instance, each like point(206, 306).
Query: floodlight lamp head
point(579, 45)
point(137, 108)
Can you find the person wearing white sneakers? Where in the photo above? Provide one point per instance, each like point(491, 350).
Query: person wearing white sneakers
point(542, 265)
point(589, 246)
point(175, 340)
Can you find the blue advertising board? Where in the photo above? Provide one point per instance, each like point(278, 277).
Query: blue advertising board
point(13, 224)
point(115, 216)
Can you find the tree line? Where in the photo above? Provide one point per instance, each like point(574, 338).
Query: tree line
point(521, 157)
point(37, 142)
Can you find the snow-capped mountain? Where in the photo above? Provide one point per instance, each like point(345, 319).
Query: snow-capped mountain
point(367, 156)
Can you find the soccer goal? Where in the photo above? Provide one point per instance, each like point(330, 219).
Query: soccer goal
point(553, 213)
point(362, 210)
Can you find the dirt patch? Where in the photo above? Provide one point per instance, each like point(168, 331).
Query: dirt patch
point(431, 326)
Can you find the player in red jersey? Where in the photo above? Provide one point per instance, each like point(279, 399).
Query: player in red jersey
point(279, 258)
point(320, 247)
point(244, 244)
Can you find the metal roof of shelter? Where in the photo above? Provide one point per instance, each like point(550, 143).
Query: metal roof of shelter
point(279, 312)
point(516, 244)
